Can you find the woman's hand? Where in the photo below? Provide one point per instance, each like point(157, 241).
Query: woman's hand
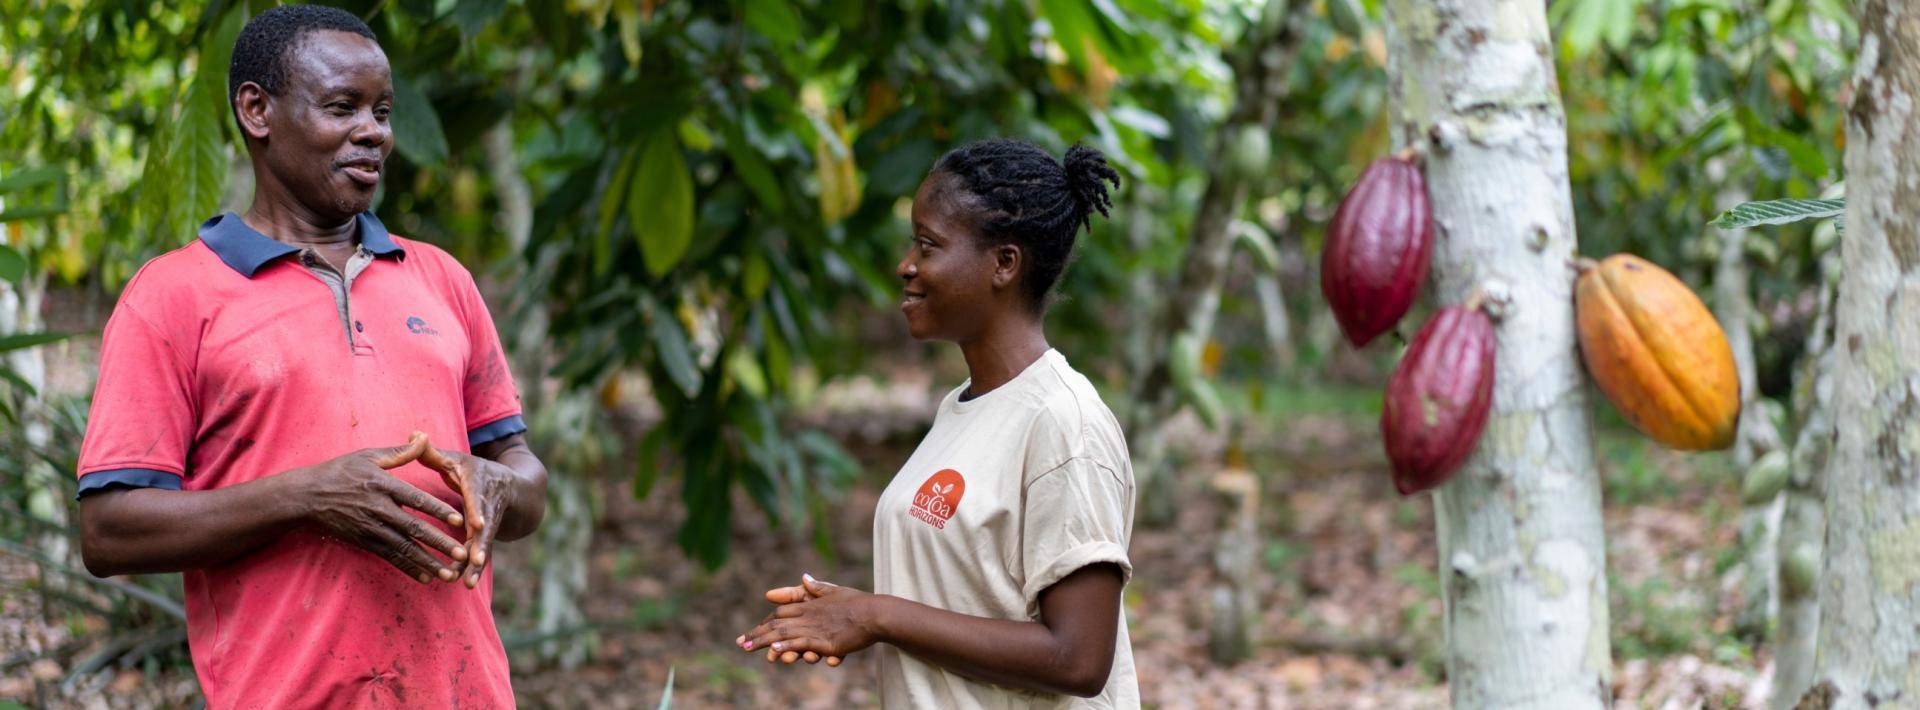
point(814, 620)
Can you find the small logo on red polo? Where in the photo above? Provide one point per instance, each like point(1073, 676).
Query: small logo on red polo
point(938, 498)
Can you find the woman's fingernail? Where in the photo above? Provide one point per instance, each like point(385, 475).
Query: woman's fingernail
point(777, 645)
point(749, 645)
point(807, 576)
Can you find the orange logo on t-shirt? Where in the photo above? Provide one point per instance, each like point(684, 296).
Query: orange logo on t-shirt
point(938, 498)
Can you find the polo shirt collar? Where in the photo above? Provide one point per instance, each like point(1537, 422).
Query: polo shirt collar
point(246, 250)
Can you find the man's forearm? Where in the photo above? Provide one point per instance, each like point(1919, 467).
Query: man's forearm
point(152, 530)
point(1017, 654)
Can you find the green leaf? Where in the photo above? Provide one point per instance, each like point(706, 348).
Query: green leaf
point(19, 341)
point(35, 177)
point(13, 266)
point(1753, 214)
point(754, 277)
point(473, 16)
point(19, 214)
point(775, 20)
point(186, 169)
point(26, 387)
point(755, 172)
point(676, 356)
point(1583, 24)
point(660, 203)
point(610, 204)
point(746, 372)
point(416, 127)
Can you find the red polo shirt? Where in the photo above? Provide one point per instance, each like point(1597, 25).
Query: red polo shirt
point(225, 362)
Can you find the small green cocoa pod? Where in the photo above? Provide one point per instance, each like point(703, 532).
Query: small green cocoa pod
point(1800, 570)
point(1766, 478)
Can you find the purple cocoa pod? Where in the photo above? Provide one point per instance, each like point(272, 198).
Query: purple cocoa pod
point(1438, 398)
point(1377, 249)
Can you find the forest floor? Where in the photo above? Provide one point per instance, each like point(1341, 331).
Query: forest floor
point(1349, 603)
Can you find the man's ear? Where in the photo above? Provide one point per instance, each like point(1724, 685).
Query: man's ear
point(251, 106)
point(1007, 260)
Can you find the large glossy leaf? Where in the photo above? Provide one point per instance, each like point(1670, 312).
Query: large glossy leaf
point(417, 133)
point(660, 203)
point(186, 167)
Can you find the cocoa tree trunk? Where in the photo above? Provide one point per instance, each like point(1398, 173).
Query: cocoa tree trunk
point(1756, 438)
point(1522, 551)
point(1803, 526)
point(1232, 632)
point(1869, 650)
point(1263, 65)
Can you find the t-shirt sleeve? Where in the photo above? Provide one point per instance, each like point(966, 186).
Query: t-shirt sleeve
point(140, 427)
point(1078, 514)
point(492, 400)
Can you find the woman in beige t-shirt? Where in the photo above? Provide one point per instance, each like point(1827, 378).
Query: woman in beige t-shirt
point(1000, 549)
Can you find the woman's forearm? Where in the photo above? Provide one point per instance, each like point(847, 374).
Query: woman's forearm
point(1018, 654)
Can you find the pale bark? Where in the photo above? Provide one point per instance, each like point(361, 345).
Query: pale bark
point(1231, 635)
point(1522, 552)
point(1757, 435)
point(1869, 650)
point(1803, 524)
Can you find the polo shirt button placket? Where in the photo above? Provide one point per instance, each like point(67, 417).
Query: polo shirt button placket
point(361, 346)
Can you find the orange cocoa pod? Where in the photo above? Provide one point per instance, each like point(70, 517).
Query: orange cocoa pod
point(1657, 353)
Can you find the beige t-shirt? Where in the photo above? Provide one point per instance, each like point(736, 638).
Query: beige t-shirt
point(1010, 492)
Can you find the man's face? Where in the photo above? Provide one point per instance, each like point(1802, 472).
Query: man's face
point(328, 137)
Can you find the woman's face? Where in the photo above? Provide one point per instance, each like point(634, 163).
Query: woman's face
point(950, 276)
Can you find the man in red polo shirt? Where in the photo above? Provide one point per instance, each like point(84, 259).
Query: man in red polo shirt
point(253, 426)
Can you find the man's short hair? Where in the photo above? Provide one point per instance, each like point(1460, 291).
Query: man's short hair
point(260, 54)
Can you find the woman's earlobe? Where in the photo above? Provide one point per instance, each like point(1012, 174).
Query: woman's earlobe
point(1006, 265)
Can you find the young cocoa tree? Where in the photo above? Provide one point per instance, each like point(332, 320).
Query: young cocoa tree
point(1262, 64)
point(1803, 525)
point(1522, 555)
point(1869, 651)
point(1757, 450)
